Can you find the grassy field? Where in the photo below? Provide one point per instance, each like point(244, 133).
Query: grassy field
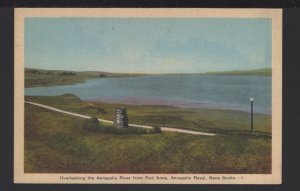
point(208, 120)
point(57, 143)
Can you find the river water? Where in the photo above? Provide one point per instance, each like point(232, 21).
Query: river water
point(191, 91)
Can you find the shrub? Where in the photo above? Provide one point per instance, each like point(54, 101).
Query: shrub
point(156, 129)
point(91, 124)
point(122, 131)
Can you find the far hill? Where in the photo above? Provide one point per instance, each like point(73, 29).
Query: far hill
point(256, 72)
point(41, 77)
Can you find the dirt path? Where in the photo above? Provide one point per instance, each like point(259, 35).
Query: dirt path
point(132, 125)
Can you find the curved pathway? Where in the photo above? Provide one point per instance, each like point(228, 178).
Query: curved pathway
point(107, 121)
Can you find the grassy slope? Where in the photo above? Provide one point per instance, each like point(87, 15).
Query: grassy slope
point(55, 143)
point(209, 120)
point(257, 72)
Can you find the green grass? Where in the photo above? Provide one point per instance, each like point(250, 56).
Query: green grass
point(208, 120)
point(57, 143)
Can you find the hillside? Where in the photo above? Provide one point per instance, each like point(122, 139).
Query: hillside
point(41, 77)
point(256, 72)
point(58, 143)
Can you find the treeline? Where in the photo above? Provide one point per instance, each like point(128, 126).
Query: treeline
point(68, 74)
point(34, 71)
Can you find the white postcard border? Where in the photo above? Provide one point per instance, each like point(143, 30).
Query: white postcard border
point(274, 178)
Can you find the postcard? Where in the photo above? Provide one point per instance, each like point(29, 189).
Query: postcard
point(148, 96)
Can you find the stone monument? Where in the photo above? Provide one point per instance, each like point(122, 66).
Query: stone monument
point(120, 118)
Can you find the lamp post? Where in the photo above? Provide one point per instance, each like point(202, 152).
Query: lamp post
point(251, 122)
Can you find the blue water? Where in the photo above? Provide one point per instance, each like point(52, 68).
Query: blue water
point(194, 91)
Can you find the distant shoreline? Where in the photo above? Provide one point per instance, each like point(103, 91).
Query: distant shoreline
point(46, 78)
point(256, 72)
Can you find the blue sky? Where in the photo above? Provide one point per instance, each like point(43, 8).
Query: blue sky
point(148, 45)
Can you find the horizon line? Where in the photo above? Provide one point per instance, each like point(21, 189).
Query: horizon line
point(145, 73)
